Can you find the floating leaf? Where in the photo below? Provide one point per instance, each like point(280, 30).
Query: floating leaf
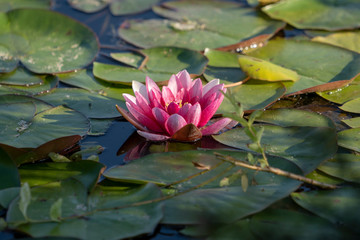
point(348, 40)
point(86, 172)
point(264, 70)
point(89, 6)
point(317, 14)
point(105, 213)
point(26, 38)
point(25, 199)
point(298, 55)
point(20, 76)
point(253, 95)
point(352, 106)
point(90, 104)
point(295, 117)
point(350, 139)
point(6, 5)
point(123, 7)
point(352, 122)
point(200, 25)
point(55, 210)
point(165, 60)
point(9, 176)
point(19, 125)
point(305, 146)
point(337, 205)
point(49, 84)
point(344, 166)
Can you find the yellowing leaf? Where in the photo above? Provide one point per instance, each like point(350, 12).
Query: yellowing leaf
point(264, 70)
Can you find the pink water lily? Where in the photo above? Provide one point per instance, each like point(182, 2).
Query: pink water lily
point(180, 111)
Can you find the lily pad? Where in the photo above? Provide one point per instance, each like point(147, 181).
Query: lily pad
point(9, 175)
point(85, 171)
point(49, 83)
point(253, 94)
point(106, 213)
point(352, 122)
point(343, 94)
point(295, 117)
point(6, 5)
point(165, 59)
point(344, 166)
point(337, 205)
point(317, 14)
point(349, 40)
point(26, 39)
point(125, 75)
point(20, 77)
point(90, 104)
point(85, 79)
point(207, 24)
point(350, 139)
point(352, 106)
point(19, 125)
point(322, 71)
point(12, 98)
point(305, 146)
point(89, 6)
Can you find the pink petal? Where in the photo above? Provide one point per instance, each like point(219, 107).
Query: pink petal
point(144, 120)
point(195, 92)
point(141, 88)
point(172, 85)
point(174, 123)
point(185, 79)
point(167, 95)
point(143, 104)
point(151, 85)
point(173, 108)
point(215, 89)
point(152, 136)
point(156, 99)
point(210, 85)
point(184, 110)
point(129, 98)
point(194, 114)
point(161, 116)
point(208, 112)
point(130, 118)
point(215, 127)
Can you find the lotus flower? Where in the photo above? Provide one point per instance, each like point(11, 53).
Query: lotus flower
point(180, 111)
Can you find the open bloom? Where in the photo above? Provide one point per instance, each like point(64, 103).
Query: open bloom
point(180, 111)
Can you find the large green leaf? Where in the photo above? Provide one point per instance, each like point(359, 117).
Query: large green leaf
point(253, 94)
point(20, 77)
point(350, 139)
point(223, 204)
point(348, 40)
point(352, 122)
point(12, 98)
point(85, 171)
point(90, 104)
point(105, 214)
point(89, 6)
point(6, 5)
point(20, 128)
point(352, 106)
point(48, 84)
point(305, 146)
point(336, 206)
point(344, 166)
point(201, 24)
point(317, 14)
point(165, 60)
point(318, 72)
point(44, 41)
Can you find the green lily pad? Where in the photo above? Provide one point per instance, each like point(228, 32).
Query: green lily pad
point(85, 171)
point(352, 106)
point(337, 205)
point(343, 94)
point(165, 60)
point(321, 176)
point(348, 40)
point(89, 6)
point(352, 122)
point(294, 225)
point(344, 166)
point(318, 72)
point(350, 139)
point(253, 94)
point(200, 25)
point(20, 77)
point(125, 75)
point(12, 98)
point(263, 70)
point(90, 104)
point(305, 146)
point(19, 125)
point(49, 83)
point(106, 213)
point(222, 59)
point(317, 14)
point(295, 117)
point(6, 5)
point(26, 38)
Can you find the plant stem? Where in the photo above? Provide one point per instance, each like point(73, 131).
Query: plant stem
point(276, 171)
